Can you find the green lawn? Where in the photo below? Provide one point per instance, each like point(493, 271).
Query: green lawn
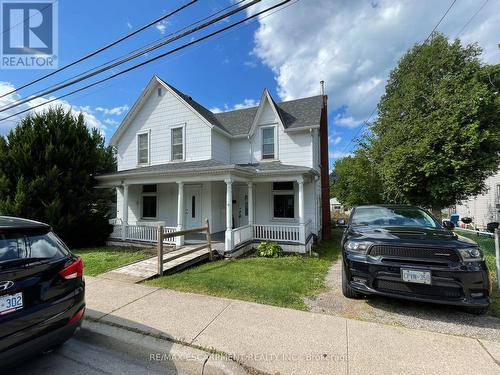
point(277, 281)
point(102, 259)
point(487, 244)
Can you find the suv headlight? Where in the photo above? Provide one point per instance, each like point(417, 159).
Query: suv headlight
point(359, 246)
point(472, 254)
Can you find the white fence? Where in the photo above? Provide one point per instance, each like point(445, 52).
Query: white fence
point(242, 234)
point(477, 232)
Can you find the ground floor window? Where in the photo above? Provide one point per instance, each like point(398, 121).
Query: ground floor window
point(283, 200)
point(149, 201)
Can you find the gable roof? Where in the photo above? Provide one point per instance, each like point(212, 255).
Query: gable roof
point(295, 114)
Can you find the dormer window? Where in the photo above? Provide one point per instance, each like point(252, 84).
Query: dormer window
point(268, 142)
point(143, 148)
point(177, 143)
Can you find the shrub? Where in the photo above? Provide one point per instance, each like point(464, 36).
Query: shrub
point(269, 249)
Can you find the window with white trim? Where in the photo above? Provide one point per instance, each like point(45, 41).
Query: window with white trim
point(177, 143)
point(268, 142)
point(283, 200)
point(149, 201)
point(143, 148)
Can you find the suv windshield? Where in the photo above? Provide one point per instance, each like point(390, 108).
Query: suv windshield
point(397, 216)
point(39, 245)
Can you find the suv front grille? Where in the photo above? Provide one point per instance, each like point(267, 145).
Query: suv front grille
point(423, 290)
point(414, 252)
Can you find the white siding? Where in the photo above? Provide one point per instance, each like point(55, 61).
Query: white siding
point(221, 147)
point(218, 201)
point(293, 148)
point(158, 115)
point(483, 207)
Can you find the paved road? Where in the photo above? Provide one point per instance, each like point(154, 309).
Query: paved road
point(91, 353)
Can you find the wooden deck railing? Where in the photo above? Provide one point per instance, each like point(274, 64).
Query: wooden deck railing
point(161, 235)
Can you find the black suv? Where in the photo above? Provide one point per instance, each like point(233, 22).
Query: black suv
point(403, 252)
point(41, 289)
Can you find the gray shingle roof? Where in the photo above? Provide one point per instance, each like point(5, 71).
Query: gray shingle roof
point(204, 165)
point(298, 113)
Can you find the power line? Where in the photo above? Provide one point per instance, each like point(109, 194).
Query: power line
point(131, 57)
point(154, 58)
point(366, 123)
point(470, 19)
point(95, 68)
point(99, 50)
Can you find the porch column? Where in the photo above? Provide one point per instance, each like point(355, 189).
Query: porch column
point(250, 203)
point(229, 214)
point(179, 241)
point(302, 233)
point(124, 212)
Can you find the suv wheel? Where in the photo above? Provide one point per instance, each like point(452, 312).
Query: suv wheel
point(347, 291)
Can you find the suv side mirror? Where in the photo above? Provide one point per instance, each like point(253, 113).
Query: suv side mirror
point(448, 224)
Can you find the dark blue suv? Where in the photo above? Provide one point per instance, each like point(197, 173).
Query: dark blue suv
point(41, 289)
point(404, 252)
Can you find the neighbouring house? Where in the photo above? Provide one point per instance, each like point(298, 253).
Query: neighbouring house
point(484, 208)
point(256, 174)
point(337, 209)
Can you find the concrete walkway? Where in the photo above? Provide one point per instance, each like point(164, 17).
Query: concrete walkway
point(278, 340)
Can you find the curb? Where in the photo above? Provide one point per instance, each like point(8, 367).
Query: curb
point(184, 355)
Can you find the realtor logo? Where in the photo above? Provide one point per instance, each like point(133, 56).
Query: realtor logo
point(29, 34)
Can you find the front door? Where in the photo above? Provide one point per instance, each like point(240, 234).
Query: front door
point(192, 207)
point(242, 206)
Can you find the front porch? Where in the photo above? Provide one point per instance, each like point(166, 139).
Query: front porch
point(244, 206)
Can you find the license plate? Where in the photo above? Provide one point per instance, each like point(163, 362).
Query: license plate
point(414, 276)
point(11, 303)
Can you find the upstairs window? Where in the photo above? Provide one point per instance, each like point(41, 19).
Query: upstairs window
point(177, 144)
point(143, 148)
point(268, 143)
point(149, 201)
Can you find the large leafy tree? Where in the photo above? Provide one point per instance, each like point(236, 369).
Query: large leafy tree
point(47, 168)
point(437, 137)
point(355, 180)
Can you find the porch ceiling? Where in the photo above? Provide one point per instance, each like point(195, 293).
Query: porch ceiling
point(206, 168)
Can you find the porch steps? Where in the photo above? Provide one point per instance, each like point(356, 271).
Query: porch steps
point(174, 261)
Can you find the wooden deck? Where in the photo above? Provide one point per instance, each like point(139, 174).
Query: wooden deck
point(175, 261)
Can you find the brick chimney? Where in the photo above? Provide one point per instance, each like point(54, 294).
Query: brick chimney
point(325, 177)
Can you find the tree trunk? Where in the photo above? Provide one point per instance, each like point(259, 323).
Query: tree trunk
point(438, 214)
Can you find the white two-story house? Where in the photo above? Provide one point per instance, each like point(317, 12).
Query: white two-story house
point(255, 173)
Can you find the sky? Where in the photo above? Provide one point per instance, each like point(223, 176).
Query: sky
point(351, 45)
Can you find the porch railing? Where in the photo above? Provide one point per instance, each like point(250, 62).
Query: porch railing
point(289, 233)
point(242, 234)
point(144, 233)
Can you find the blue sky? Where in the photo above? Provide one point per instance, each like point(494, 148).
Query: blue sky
point(351, 45)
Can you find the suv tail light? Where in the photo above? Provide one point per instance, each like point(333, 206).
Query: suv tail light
point(73, 271)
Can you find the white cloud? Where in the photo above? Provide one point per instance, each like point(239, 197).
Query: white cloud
point(162, 26)
point(115, 111)
point(129, 25)
point(247, 103)
point(91, 120)
point(353, 45)
point(334, 140)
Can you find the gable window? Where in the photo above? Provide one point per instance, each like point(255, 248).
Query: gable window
point(177, 144)
point(149, 201)
point(143, 148)
point(283, 200)
point(268, 143)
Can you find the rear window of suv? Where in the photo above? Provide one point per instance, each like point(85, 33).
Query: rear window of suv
point(36, 245)
point(397, 216)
